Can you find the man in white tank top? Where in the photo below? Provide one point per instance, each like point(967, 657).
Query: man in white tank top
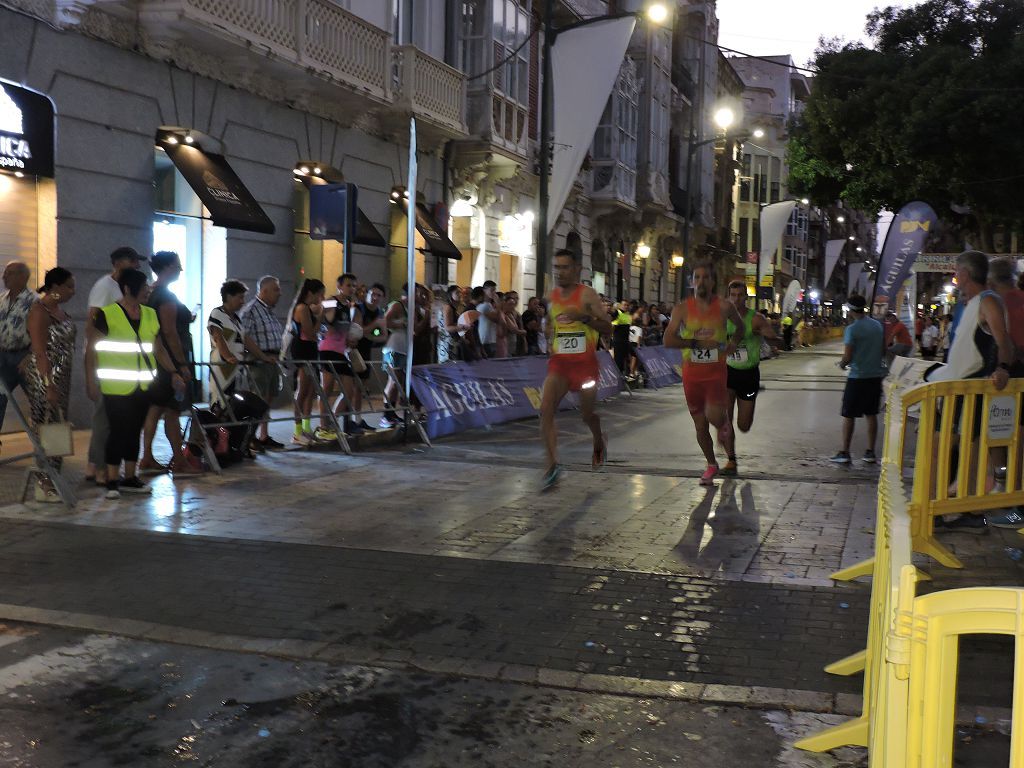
point(982, 347)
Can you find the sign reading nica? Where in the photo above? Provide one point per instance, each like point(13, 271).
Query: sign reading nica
point(26, 131)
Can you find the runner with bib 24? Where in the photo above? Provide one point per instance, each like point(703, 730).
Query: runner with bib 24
point(698, 327)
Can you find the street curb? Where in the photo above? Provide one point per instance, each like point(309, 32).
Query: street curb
point(750, 697)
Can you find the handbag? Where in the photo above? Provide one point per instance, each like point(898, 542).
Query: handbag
point(355, 359)
point(56, 438)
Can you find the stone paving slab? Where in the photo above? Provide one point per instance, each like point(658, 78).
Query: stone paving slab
point(397, 608)
point(742, 530)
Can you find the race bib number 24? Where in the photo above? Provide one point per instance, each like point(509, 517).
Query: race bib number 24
point(699, 355)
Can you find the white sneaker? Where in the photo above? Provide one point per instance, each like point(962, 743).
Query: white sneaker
point(113, 493)
point(388, 424)
point(46, 495)
point(302, 438)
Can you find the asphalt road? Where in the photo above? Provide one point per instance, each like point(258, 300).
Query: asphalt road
point(796, 429)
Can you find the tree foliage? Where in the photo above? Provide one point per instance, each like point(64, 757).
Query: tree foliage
point(934, 111)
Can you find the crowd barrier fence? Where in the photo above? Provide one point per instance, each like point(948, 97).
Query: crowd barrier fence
point(42, 467)
point(959, 420)
point(910, 663)
point(331, 416)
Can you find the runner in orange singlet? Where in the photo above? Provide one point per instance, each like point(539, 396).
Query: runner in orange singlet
point(576, 322)
point(697, 327)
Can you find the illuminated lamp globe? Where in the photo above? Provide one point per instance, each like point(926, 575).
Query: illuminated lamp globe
point(724, 117)
point(657, 12)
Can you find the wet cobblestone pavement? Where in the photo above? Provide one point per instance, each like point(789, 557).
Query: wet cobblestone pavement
point(87, 701)
point(447, 559)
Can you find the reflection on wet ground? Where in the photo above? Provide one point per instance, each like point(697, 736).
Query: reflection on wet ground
point(83, 701)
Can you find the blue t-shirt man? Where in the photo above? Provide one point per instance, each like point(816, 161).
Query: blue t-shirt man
point(866, 337)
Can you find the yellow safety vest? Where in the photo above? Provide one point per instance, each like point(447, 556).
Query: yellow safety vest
point(125, 359)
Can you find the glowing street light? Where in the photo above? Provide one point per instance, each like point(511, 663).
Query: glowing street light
point(643, 250)
point(657, 12)
point(724, 117)
point(758, 133)
point(841, 219)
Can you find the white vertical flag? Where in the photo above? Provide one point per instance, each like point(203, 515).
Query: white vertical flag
point(793, 295)
point(773, 224)
point(854, 276)
point(410, 234)
point(585, 62)
point(832, 250)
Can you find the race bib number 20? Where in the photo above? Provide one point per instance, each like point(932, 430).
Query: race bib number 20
point(570, 343)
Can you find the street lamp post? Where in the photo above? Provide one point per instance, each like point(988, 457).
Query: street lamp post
point(656, 12)
point(723, 118)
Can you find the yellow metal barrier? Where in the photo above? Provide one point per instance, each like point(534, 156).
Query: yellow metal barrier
point(892, 554)
point(924, 646)
point(951, 414)
point(910, 660)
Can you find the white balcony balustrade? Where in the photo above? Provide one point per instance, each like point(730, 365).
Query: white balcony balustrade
point(305, 35)
point(429, 89)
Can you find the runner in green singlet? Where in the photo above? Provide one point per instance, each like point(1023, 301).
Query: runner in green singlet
point(744, 372)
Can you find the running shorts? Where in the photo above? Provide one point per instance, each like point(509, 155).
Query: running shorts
point(340, 364)
point(861, 397)
point(701, 393)
point(577, 372)
point(745, 382)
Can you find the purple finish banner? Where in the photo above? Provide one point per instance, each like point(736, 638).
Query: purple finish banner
point(663, 366)
point(459, 396)
point(903, 243)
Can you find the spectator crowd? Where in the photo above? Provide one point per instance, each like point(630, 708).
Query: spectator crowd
point(140, 367)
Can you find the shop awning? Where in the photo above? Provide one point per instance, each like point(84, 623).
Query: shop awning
point(435, 238)
point(365, 234)
point(230, 204)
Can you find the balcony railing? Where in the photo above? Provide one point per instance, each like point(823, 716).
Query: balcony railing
point(429, 88)
point(615, 181)
point(315, 35)
point(587, 8)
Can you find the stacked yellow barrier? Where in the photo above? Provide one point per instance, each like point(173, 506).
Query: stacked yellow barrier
point(910, 662)
point(892, 553)
point(923, 660)
point(937, 435)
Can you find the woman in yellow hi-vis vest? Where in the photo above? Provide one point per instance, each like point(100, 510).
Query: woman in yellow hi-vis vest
point(121, 359)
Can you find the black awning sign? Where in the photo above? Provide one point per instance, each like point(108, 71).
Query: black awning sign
point(229, 202)
point(26, 131)
point(435, 239)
